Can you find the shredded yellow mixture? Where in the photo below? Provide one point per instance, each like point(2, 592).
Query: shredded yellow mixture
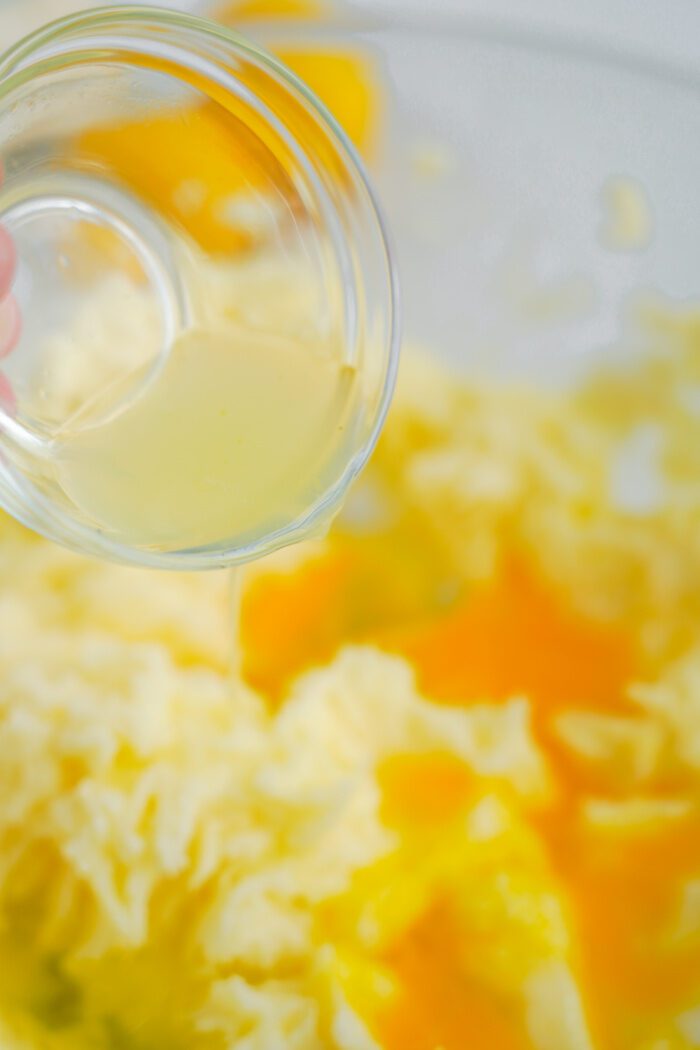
point(444, 792)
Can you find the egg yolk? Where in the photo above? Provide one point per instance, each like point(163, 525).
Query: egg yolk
point(514, 636)
point(438, 1005)
point(424, 790)
point(626, 899)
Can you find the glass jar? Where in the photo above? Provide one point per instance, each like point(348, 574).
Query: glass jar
point(164, 175)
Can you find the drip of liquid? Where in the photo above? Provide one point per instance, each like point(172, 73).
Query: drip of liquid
point(238, 435)
point(235, 600)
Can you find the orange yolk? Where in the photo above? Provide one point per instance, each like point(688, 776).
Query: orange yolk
point(291, 621)
point(424, 790)
point(439, 1007)
point(516, 637)
point(512, 637)
point(625, 899)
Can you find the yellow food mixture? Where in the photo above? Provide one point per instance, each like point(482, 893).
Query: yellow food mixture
point(452, 800)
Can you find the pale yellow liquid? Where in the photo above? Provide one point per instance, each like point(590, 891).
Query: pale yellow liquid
point(237, 436)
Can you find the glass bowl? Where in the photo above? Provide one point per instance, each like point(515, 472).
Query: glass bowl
point(252, 224)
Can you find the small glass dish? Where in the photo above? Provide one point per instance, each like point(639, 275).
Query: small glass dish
point(161, 175)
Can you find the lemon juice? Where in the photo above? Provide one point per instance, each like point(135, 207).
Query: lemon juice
point(237, 435)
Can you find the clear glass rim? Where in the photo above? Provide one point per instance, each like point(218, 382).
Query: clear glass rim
point(39, 513)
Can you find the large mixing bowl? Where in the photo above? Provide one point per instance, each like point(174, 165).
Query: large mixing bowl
point(542, 198)
point(503, 155)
